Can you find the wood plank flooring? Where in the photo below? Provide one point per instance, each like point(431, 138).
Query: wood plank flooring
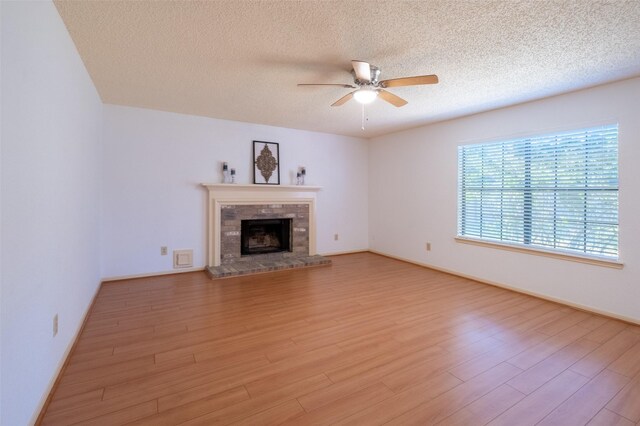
point(367, 341)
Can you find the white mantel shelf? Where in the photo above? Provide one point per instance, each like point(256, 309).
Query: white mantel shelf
point(253, 187)
point(225, 194)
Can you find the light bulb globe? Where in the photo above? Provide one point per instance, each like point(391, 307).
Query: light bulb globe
point(365, 95)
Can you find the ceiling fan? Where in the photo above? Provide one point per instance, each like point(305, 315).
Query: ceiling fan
point(368, 87)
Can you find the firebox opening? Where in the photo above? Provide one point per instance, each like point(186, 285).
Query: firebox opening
point(265, 236)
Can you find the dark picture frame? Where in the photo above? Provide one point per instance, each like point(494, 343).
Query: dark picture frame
point(266, 163)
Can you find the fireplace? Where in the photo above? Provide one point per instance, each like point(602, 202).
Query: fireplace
point(260, 236)
point(229, 205)
point(286, 214)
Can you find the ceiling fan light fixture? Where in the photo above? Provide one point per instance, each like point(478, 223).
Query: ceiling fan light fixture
point(365, 95)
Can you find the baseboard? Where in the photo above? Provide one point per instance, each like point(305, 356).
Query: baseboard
point(153, 274)
point(53, 384)
point(340, 253)
point(196, 269)
point(569, 303)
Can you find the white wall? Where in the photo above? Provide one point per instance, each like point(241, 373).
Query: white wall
point(155, 161)
point(51, 116)
point(412, 198)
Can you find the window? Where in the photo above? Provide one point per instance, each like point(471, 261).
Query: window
point(555, 192)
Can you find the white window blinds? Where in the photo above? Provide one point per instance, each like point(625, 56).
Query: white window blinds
point(557, 192)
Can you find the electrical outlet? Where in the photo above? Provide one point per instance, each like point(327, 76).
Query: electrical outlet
point(55, 325)
point(428, 247)
point(163, 251)
point(336, 237)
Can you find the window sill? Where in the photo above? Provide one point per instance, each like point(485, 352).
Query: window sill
point(541, 252)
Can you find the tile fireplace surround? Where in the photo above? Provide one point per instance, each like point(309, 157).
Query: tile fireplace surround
point(229, 204)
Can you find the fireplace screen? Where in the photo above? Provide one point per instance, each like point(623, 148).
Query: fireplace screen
point(265, 236)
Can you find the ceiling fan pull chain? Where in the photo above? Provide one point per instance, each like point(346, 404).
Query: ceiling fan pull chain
point(362, 116)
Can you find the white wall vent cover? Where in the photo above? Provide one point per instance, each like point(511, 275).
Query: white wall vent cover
point(182, 258)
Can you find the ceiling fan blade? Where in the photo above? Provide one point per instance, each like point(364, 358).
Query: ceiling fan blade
point(410, 81)
point(391, 98)
point(348, 86)
point(362, 70)
point(343, 99)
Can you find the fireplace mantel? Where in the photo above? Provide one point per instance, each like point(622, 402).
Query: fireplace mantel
point(234, 194)
point(232, 187)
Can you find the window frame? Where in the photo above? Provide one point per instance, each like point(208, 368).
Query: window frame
point(526, 246)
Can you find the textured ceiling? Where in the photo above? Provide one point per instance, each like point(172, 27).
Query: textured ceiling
point(241, 60)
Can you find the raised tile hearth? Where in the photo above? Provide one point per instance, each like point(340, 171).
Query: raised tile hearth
point(256, 267)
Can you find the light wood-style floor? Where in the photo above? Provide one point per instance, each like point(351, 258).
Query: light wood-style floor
point(368, 341)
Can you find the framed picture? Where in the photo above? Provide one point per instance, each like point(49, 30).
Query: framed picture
point(266, 163)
